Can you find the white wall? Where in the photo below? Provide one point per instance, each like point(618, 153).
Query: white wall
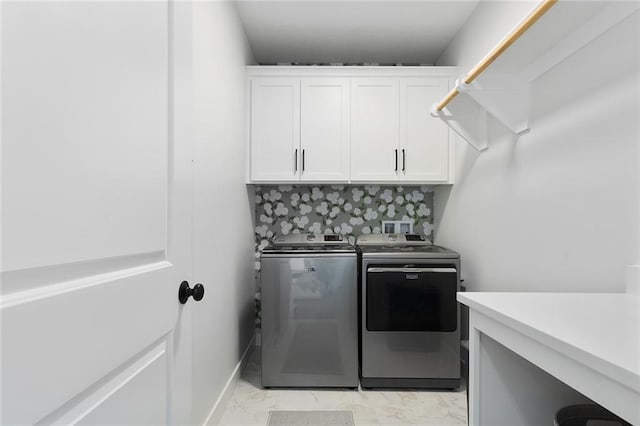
point(557, 209)
point(223, 323)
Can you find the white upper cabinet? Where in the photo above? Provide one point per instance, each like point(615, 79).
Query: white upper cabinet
point(324, 130)
point(375, 133)
point(299, 130)
point(275, 129)
point(424, 142)
point(347, 124)
point(394, 138)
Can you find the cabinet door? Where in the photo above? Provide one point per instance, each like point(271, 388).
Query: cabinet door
point(324, 130)
point(374, 129)
point(275, 130)
point(424, 140)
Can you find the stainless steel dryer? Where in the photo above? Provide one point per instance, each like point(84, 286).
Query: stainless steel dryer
point(410, 335)
point(309, 312)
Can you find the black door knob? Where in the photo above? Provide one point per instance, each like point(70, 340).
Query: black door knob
point(185, 291)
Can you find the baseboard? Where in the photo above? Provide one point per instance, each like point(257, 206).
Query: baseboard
point(221, 403)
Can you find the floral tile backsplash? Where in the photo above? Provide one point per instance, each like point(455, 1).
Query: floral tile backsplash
point(338, 209)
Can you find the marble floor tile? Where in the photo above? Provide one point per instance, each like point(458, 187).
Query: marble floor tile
point(250, 403)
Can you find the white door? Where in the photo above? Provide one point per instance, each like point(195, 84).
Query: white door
point(424, 141)
point(374, 129)
point(96, 181)
point(324, 129)
point(275, 130)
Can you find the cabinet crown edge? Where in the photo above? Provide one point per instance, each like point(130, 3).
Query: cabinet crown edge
point(349, 71)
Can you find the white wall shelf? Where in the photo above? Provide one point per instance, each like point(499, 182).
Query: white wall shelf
point(503, 89)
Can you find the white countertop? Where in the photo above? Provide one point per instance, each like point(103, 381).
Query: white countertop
point(599, 330)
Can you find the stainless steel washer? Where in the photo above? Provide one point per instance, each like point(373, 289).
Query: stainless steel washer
point(309, 312)
point(410, 334)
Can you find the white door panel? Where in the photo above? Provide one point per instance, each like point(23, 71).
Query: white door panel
point(147, 385)
point(56, 344)
point(275, 130)
point(91, 182)
point(96, 201)
point(374, 129)
point(324, 129)
point(142, 381)
point(424, 141)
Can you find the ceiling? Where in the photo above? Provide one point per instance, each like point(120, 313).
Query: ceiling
point(352, 31)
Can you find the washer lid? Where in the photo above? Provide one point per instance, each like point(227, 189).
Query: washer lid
point(309, 239)
point(310, 243)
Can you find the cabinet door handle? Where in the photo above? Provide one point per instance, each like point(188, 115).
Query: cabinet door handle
point(404, 163)
point(303, 160)
point(295, 162)
point(396, 151)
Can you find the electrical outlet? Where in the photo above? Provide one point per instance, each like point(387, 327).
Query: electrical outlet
point(397, 226)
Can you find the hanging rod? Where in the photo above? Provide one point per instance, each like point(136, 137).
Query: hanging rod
point(499, 49)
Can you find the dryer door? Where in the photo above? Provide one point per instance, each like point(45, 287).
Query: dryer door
point(416, 298)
